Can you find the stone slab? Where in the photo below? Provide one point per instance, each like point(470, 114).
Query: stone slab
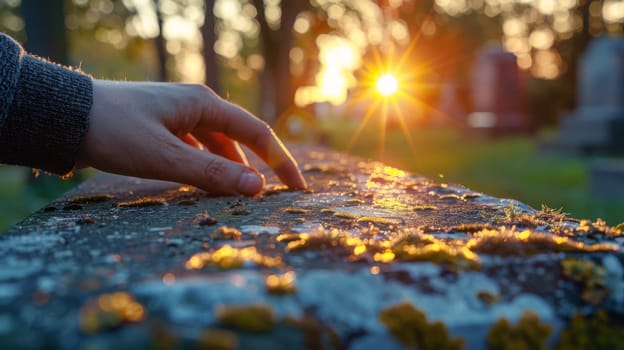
point(126, 263)
point(607, 178)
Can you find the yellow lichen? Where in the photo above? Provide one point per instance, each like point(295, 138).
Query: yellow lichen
point(384, 257)
point(410, 326)
point(509, 242)
point(528, 334)
point(228, 257)
point(93, 198)
point(217, 339)
point(141, 202)
point(231, 233)
point(251, 318)
point(280, 284)
point(319, 239)
point(289, 237)
point(345, 215)
point(471, 227)
point(596, 333)
point(291, 210)
point(599, 226)
point(590, 275)
point(421, 247)
point(270, 190)
point(424, 207)
point(378, 220)
point(487, 298)
point(392, 203)
point(109, 311)
point(451, 196)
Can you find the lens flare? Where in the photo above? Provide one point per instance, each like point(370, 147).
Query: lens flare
point(387, 84)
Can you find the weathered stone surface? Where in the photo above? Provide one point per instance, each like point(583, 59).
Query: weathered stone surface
point(129, 263)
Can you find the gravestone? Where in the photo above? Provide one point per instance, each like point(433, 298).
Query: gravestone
point(497, 94)
point(597, 124)
point(370, 257)
point(606, 178)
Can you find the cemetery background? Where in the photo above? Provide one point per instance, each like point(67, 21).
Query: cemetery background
point(548, 43)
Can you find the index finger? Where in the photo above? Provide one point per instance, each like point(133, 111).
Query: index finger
point(240, 125)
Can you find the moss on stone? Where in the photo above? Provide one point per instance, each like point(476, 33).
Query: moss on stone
point(320, 239)
point(228, 233)
point(378, 220)
point(421, 247)
point(509, 242)
point(589, 275)
point(528, 334)
point(596, 333)
point(228, 257)
point(217, 339)
point(292, 210)
point(141, 202)
point(316, 336)
point(487, 298)
point(252, 318)
point(281, 284)
point(93, 198)
point(410, 326)
point(108, 311)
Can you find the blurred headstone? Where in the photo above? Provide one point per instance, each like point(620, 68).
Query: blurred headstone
point(606, 178)
point(597, 125)
point(497, 94)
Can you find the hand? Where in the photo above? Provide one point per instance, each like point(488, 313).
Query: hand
point(162, 130)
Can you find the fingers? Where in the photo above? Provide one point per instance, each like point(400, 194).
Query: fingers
point(222, 145)
point(192, 141)
point(181, 162)
point(238, 124)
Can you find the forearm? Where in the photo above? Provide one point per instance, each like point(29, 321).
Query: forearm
point(44, 110)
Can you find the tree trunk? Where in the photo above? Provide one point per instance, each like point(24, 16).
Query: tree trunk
point(277, 94)
point(45, 29)
point(209, 35)
point(161, 45)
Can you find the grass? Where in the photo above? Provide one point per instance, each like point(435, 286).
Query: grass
point(21, 193)
point(508, 167)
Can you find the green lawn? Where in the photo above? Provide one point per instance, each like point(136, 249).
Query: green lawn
point(506, 167)
point(21, 193)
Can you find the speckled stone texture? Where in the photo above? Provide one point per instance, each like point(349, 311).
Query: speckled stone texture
point(126, 263)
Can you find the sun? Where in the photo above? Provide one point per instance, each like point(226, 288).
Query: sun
point(387, 85)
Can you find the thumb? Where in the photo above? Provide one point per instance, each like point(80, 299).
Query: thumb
point(210, 172)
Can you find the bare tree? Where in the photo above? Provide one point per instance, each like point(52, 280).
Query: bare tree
point(160, 45)
point(210, 37)
point(277, 91)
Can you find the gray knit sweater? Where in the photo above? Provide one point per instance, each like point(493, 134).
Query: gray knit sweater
point(44, 110)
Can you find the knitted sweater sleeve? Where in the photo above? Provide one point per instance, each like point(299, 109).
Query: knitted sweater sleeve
point(44, 110)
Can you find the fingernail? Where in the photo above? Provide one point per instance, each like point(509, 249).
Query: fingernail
point(250, 183)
